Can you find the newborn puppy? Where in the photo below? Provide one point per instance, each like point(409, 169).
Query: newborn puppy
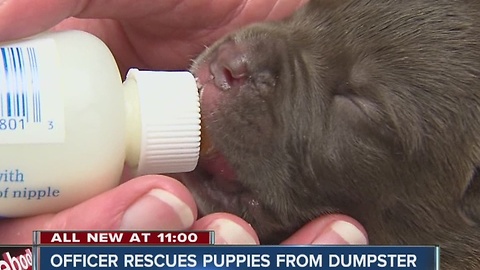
point(367, 108)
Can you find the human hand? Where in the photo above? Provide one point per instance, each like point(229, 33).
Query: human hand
point(145, 34)
point(162, 203)
point(153, 35)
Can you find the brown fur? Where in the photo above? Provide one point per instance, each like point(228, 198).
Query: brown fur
point(368, 108)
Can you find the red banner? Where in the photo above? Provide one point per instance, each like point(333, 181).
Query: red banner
point(124, 238)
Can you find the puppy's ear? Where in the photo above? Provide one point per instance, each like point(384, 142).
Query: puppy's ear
point(470, 203)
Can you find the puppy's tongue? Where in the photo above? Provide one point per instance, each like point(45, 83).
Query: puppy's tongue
point(212, 161)
point(218, 167)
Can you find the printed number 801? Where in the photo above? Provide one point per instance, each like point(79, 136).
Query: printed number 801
point(11, 124)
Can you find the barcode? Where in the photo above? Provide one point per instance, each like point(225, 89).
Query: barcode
point(32, 108)
point(19, 84)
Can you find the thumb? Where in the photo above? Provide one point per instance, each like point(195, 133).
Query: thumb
point(149, 202)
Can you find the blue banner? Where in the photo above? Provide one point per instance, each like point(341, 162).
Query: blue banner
point(238, 257)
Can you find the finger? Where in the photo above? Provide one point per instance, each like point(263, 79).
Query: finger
point(149, 202)
point(229, 229)
point(20, 18)
point(330, 230)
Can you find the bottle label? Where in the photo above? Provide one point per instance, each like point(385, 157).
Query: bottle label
point(15, 179)
point(31, 103)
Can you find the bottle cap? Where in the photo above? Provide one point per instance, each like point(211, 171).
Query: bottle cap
point(170, 121)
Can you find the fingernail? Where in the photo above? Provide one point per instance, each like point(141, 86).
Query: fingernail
point(158, 210)
point(230, 233)
point(341, 232)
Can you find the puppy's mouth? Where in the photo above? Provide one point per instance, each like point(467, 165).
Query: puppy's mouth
point(214, 182)
point(216, 188)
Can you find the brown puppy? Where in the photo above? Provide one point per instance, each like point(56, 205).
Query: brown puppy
point(368, 108)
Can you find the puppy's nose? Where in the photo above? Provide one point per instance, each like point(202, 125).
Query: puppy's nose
point(229, 66)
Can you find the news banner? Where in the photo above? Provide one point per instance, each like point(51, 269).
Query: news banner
point(197, 250)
